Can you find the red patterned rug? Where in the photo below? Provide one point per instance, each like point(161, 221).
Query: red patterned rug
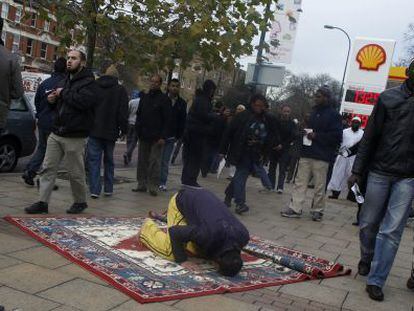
point(109, 248)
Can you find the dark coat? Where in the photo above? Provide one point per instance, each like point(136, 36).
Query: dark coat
point(234, 141)
point(111, 114)
point(153, 116)
point(45, 113)
point(75, 105)
point(387, 147)
point(211, 225)
point(327, 125)
point(287, 133)
point(201, 116)
point(178, 118)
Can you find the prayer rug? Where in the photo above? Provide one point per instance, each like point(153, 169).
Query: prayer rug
point(108, 247)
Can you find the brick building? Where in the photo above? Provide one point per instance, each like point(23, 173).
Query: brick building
point(26, 34)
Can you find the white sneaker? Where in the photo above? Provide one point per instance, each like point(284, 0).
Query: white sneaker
point(108, 194)
point(94, 196)
point(280, 191)
point(163, 188)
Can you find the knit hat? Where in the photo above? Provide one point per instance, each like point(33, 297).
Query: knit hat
point(112, 71)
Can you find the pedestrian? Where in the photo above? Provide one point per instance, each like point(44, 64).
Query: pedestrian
point(45, 115)
point(386, 152)
point(152, 125)
point(246, 144)
point(199, 224)
point(11, 86)
point(131, 137)
point(74, 100)
point(111, 122)
point(280, 153)
point(321, 139)
point(199, 122)
point(342, 169)
point(176, 128)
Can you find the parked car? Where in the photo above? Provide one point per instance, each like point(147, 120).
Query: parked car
point(19, 138)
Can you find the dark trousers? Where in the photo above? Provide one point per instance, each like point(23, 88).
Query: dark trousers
point(177, 150)
point(194, 147)
point(37, 159)
point(149, 165)
point(237, 187)
point(281, 159)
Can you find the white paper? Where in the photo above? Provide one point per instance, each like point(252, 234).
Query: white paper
point(358, 196)
point(306, 141)
point(221, 166)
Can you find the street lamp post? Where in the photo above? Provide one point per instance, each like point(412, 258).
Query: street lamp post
point(347, 57)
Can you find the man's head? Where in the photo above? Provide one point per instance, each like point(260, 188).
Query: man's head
point(285, 113)
point(112, 71)
point(60, 65)
point(323, 96)
point(258, 104)
point(209, 88)
point(240, 108)
point(155, 82)
point(174, 87)
point(355, 124)
point(76, 61)
point(410, 72)
point(230, 263)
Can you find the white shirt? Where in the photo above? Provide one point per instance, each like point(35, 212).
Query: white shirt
point(351, 138)
point(133, 107)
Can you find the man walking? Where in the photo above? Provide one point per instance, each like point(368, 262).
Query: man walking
point(111, 122)
point(386, 152)
point(153, 117)
point(176, 128)
point(45, 115)
point(74, 102)
point(321, 138)
point(131, 137)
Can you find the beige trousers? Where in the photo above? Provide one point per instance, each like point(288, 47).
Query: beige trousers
point(73, 149)
point(307, 168)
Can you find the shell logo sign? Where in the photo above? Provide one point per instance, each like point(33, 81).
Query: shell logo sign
point(370, 57)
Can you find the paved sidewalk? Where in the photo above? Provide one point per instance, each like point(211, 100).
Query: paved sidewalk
point(33, 277)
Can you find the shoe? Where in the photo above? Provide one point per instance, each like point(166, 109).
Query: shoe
point(37, 208)
point(335, 195)
point(363, 268)
point(204, 175)
point(375, 292)
point(94, 196)
point(126, 160)
point(279, 191)
point(77, 208)
point(290, 213)
point(139, 189)
point(241, 208)
point(227, 201)
point(317, 216)
point(28, 178)
point(162, 188)
point(108, 194)
point(153, 193)
point(355, 223)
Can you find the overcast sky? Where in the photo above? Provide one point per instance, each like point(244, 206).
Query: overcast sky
point(319, 50)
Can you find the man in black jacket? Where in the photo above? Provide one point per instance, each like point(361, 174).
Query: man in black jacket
point(111, 122)
point(45, 115)
point(199, 122)
point(152, 124)
point(176, 128)
point(74, 101)
point(322, 138)
point(386, 152)
point(247, 142)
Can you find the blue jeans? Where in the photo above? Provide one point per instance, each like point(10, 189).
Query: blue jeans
point(165, 160)
point(237, 187)
point(96, 147)
point(261, 172)
point(37, 159)
point(382, 221)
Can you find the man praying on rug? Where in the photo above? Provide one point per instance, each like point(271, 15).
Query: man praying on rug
point(200, 224)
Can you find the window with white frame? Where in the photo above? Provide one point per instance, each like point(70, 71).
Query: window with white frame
point(33, 20)
point(46, 26)
point(43, 50)
point(18, 15)
point(29, 46)
point(16, 43)
point(5, 10)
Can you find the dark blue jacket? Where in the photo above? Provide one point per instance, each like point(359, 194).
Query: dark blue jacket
point(45, 113)
point(211, 225)
point(327, 125)
point(178, 118)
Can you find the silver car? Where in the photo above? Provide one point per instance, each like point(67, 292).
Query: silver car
point(19, 138)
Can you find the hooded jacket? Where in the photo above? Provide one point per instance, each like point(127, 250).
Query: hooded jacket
point(111, 114)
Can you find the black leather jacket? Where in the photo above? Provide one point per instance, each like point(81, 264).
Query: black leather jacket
point(387, 147)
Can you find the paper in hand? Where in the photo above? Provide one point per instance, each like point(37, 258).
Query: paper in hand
point(358, 195)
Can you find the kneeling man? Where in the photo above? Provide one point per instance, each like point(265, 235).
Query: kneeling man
point(200, 224)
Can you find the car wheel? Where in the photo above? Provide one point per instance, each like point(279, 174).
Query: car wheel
point(8, 155)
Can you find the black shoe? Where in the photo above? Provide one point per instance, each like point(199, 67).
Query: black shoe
point(153, 193)
point(37, 208)
point(375, 292)
point(28, 178)
point(317, 216)
point(335, 195)
point(241, 208)
point(363, 268)
point(77, 208)
point(139, 189)
point(355, 223)
point(227, 201)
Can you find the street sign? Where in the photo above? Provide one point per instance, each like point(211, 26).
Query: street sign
point(269, 75)
point(367, 75)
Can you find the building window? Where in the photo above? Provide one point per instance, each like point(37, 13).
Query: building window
point(43, 50)
point(46, 26)
point(5, 10)
point(18, 15)
point(29, 46)
point(33, 20)
point(16, 43)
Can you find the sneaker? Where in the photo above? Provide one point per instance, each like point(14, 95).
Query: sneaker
point(375, 292)
point(290, 213)
point(77, 208)
point(139, 189)
point(162, 188)
point(37, 208)
point(227, 201)
point(266, 191)
point(241, 208)
point(108, 194)
point(28, 178)
point(279, 191)
point(363, 268)
point(94, 196)
point(317, 216)
point(153, 193)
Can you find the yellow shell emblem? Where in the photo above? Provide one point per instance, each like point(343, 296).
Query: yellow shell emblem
point(371, 57)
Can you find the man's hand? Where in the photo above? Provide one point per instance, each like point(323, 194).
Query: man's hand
point(354, 179)
point(58, 91)
point(311, 135)
point(52, 97)
point(161, 142)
